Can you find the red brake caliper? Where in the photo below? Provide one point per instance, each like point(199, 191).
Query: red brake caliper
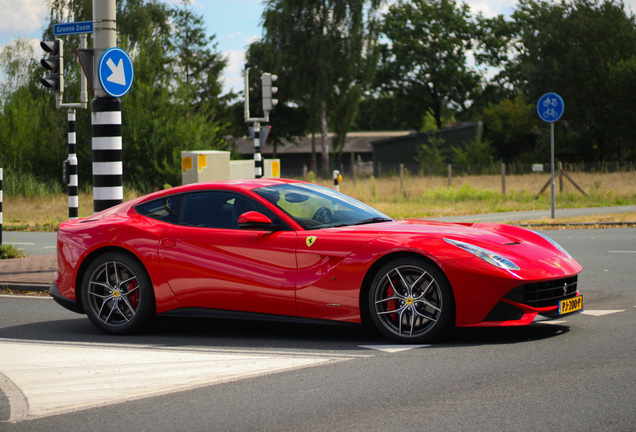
point(134, 297)
point(391, 304)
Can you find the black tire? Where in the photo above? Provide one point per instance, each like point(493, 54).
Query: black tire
point(411, 301)
point(117, 294)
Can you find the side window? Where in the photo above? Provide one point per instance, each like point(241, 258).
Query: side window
point(206, 210)
point(166, 209)
point(217, 209)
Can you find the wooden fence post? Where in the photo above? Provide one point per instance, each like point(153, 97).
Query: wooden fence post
point(353, 168)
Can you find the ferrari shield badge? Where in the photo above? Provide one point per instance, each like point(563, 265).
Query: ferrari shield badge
point(310, 241)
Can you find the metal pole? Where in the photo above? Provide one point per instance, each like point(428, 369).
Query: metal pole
point(105, 117)
point(73, 201)
point(104, 37)
point(552, 166)
point(258, 159)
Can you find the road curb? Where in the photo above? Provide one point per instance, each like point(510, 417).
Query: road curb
point(24, 287)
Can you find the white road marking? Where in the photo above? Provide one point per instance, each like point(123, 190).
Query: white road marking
point(392, 348)
point(598, 313)
point(55, 378)
point(623, 252)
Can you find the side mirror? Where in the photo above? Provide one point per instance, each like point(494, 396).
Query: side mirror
point(256, 220)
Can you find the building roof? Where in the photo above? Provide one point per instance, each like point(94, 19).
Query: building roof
point(472, 130)
point(356, 142)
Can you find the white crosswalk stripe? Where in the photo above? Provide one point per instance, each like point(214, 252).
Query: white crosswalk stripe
point(43, 379)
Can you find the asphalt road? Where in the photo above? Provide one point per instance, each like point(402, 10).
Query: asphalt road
point(195, 374)
point(34, 243)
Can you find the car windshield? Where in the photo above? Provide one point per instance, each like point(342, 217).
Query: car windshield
point(313, 206)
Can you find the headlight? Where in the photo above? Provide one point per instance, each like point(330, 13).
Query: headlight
point(553, 243)
point(486, 255)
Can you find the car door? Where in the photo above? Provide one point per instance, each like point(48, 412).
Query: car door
point(212, 263)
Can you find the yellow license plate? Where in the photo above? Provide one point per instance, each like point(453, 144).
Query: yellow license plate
point(570, 305)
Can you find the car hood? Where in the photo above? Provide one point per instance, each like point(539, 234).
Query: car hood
point(517, 243)
point(477, 232)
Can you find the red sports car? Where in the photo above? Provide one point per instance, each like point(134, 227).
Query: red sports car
point(296, 249)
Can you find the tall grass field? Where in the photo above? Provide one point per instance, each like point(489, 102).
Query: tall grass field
point(407, 197)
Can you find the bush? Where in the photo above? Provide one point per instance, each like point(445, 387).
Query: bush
point(10, 251)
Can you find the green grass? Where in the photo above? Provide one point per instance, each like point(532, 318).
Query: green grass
point(33, 208)
point(10, 251)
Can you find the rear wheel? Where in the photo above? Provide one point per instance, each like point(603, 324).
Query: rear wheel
point(410, 301)
point(117, 294)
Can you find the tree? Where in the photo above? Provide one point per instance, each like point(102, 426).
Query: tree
point(173, 105)
point(322, 46)
point(198, 67)
point(30, 128)
point(511, 126)
point(582, 50)
point(425, 58)
point(175, 102)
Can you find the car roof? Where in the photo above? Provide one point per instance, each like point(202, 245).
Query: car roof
point(241, 185)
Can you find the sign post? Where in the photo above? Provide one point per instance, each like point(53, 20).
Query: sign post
point(550, 108)
point(55, 81)
point(259, 135)
point(108, 189)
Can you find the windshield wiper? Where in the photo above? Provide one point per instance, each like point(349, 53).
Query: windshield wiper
point(373, 220)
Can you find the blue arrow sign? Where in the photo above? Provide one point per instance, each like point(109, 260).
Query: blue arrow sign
point(550, 107)
point(73, 28)
point(115, 71)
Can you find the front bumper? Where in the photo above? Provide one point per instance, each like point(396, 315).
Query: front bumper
point(69, 304)
point(522, 305)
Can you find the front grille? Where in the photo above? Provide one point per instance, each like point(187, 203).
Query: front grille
point(544, 294)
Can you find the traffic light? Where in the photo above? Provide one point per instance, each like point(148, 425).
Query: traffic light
point(54, 63)
point(268, 102)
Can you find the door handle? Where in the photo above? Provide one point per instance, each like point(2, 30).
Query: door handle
point(165, 243)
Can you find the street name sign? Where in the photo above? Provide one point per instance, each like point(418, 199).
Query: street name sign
point(73, 28)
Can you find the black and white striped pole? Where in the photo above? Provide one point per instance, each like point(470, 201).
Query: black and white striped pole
point(108, 187)
point(258, 158)
point(337, 178)
point(112, 78)
point(72, 173)
point(56, 83)
point(259, 135)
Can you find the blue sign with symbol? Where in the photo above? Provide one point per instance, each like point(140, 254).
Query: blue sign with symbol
point(115, 71)
point(73, 28)
point(550, 107)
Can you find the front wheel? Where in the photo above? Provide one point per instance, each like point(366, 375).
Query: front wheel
point(410, 301)
point(117, 294)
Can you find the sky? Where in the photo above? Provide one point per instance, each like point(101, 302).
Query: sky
point(235, 24)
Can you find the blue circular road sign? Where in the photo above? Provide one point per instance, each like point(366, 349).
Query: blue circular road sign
point(116, 73)
point(550, 107)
